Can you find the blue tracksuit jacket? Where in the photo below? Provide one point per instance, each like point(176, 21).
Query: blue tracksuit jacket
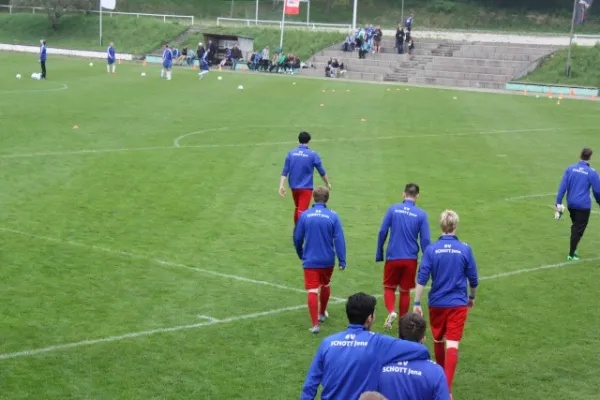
point(576, 183)
point(414, 380)
point(299, 167)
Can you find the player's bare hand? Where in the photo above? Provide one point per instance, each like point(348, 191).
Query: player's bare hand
point(342, 268)
point(418, 310)
point(281, 191)
point(470, 304)
point(329, 186)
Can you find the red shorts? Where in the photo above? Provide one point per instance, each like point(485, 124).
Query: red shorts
point(447, 322)
point(400, 273)
point(302, 198)
point(314, 278)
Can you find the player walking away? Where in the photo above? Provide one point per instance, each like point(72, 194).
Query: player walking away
point(317, 238)
point(450, 263)
point(576, 183)
point(407, 224)
point(167, 63)
point(415, 380)
point(204, 65)
point(111, 58)
point(43, 57)
point(349, 363)
point(298, 168)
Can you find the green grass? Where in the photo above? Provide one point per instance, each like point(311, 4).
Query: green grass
point(584, 71)
point(108, 229)
point(304, 44)
point(131, 35)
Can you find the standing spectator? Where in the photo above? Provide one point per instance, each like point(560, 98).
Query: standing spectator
point(451, 264)
point(364, 49)
point(425, 381)
point(410, 44)
point(43, 57)
point(349, 363)
point(266, 55)
point(407, 224)
point(318, 237)
point(212, 51)
point(400, 39)
point(409, 22)
point(298, 168)
point(359, 38)
point(370, 31)
point(378, 35)
point(200, 51)
point(576, 183)
point(236, 55)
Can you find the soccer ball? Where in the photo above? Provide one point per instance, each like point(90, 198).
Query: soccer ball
point(220, 78)
point(91, 64)
point(143, 74)
point(560, 210)
point(18, 76)
point(240, 87)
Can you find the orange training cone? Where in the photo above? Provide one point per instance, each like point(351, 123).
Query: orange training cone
point(593, 98)
point(194, 67)
point(549, 93)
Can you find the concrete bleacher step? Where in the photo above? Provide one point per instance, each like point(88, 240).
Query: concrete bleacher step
point(464, 76)
point(456, 83)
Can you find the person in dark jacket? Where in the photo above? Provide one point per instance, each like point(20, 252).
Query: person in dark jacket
point(236, 55)
point(400, 39)
point(200, 51)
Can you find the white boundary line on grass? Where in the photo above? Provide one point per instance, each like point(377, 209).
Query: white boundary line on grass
point(133, 335)
point(62, 87)
point(254, 144)
point(156, 261)
point(520, 199)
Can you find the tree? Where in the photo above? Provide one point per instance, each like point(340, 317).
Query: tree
point(55, 8)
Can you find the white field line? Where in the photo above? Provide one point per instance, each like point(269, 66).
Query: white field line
point(523, 200)
point(530, 196)
point(254, 144)
point(62, 87)
point(133, 335)
point(156, 261)
point(208, 318)
point(176, 141)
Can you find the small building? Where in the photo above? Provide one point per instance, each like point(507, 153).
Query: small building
point(226, 41)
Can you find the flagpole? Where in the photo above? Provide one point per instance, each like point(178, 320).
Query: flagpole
point(100, 23)
point(354, 14)
point(282, 26)
point(568, 66)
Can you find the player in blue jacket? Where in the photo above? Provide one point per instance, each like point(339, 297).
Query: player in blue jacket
point(317, 238)
point(407, 224)
point(43, 57)
point(450, 264)
point(299, 167)
point(349, 363)
point(204, 65)
point(111, 58)
point(414, 380)
point(167, 58)
point(576, 183)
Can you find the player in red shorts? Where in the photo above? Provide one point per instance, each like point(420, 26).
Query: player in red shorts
point(318, 237)
point(299, 167)
point(450, 263)
point(407, 224)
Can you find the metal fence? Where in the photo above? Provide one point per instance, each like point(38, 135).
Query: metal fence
point(288, 24)
point(185, 19)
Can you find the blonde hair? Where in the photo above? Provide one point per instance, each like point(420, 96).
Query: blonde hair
point(372, 396)
point(449, 221)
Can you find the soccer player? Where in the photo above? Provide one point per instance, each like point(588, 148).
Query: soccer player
point(450, 263)
point(204, 65)
point(111, 58)
point(43, 57)
point(298, 167)
point(167, 63)
point(576, 183)
point(414, 380)
point(318, 237)
point(407, 224)
point(349, 363)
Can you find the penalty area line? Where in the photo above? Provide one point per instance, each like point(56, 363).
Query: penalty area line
point(211, 322)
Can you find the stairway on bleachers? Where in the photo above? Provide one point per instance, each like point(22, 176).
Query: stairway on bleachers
point(439, 62)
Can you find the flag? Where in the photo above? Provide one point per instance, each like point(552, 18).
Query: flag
point(581, 10)
point(292, 7)
point(108, 4)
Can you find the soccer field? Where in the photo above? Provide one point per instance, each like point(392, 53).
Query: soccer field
point(147, 254)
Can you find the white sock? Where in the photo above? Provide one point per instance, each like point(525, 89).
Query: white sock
point(114, 68)
point(168, 74)
point(162, 73)
point(108, 68)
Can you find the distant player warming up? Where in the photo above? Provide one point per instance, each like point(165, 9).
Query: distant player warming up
point(576, 183)
point(111, 58)
point(298, 169)
point(407, 223)
point(204, 66)
point(450, 263)
point(167, 63)
point(317, 238)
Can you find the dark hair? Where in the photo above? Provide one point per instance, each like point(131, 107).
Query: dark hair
point(359, 307)
point(321, 194)
point(411, 190)
point(304, 137)
point(586, 154)
point(412, 327)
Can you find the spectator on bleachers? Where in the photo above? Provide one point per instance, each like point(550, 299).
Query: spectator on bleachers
point(409, 43)
point(359, 38)
point(183, 57)
point(251, 61)
point(377, 36)
point(349, 43)
point(236, 55)
point(257, 61)
point(409, 22)
point(364, 50)
point(328, 68)
point(370, 31)
point(400, 39)
point(280, 65)
point(335, 68)
point(342, 69)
